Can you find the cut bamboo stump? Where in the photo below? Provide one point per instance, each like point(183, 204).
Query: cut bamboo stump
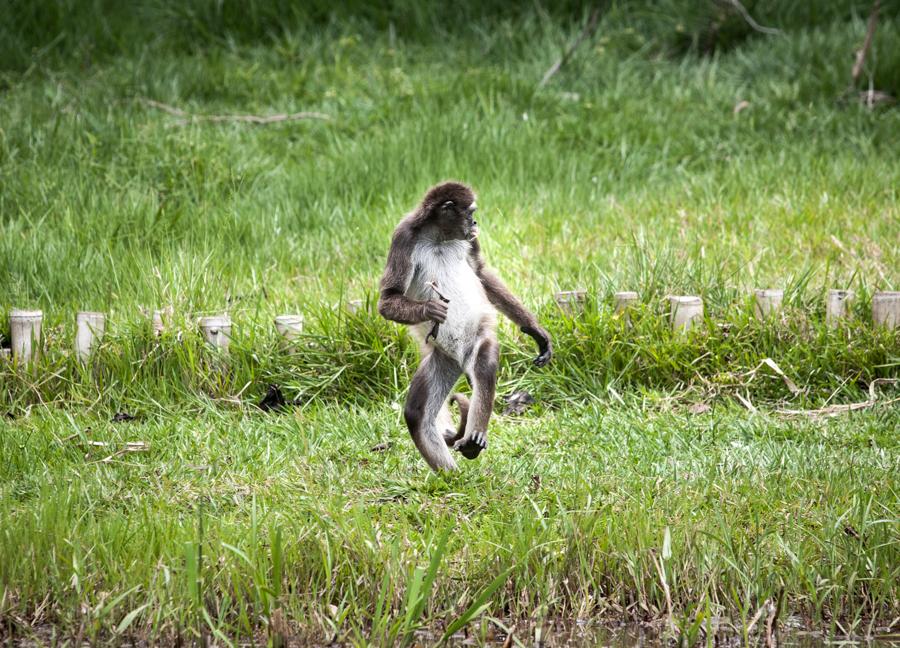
point(885, 309)
point(768, 302)
point(216, 331)
point(25, 331)
point(289, 327)
point(571, 302)
point(355, 305)
point(837, 306)
point(623, 301)
point(686, 311)
point(158, 321)
point(89, 328)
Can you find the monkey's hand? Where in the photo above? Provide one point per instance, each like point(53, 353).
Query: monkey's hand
point(545, 347)
point(435, 310)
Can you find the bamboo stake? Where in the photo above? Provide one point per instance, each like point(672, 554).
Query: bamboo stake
point(768, 302)
point(571, 302)
point(686, 311)
point(886, 309)
point(25, 331)
point(837, 306)
point(624, 301)
point(89, 330)
point(159, 318)
point(216, 331)
point(289, 327)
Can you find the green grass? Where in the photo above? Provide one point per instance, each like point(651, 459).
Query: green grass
point(630, 170)
point(297, 512)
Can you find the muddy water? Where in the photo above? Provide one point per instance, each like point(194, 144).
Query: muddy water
point(655, 636)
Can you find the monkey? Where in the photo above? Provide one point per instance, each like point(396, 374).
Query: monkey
point(436, 282)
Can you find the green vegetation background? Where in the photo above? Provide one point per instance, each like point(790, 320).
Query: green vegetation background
point(679, 151)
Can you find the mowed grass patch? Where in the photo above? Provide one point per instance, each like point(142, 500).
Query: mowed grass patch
point(576, 508)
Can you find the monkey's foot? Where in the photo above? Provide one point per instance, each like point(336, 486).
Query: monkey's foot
point(470, 448)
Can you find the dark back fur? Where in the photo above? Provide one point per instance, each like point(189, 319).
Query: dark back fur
point(461, 195)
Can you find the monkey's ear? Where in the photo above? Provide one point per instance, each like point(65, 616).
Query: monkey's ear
point(447, 205)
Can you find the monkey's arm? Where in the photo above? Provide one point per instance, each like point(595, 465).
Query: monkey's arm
point(393, 304)
point(507, 303)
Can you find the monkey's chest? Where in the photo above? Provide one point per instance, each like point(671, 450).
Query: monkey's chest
point(468, 308)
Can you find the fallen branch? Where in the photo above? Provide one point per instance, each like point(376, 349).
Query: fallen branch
point(589, 29)
point(187, 117)
point(835, 410)
point(867, 44)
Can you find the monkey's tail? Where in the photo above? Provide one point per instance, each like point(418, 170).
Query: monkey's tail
point(463, 402)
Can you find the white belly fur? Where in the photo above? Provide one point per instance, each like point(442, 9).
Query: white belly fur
point(469, 310)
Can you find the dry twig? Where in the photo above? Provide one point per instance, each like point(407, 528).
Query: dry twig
point(741, 9)
point(187, 117)
point(509, 638)
point(772, 620)
point(867, 44)
point(758, 615)
point(665, 585)
point(589, 29)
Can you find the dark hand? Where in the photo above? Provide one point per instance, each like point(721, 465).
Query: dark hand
point(435, 310)
point(545, 347)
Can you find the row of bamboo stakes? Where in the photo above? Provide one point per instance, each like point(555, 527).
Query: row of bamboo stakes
point(685, 312)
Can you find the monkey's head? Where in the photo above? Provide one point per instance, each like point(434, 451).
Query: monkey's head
point(450, 206)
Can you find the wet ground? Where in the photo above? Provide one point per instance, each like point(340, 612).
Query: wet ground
point(792, 634)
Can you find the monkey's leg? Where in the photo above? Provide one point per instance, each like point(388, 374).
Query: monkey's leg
point(484, 374)
point(427, 396)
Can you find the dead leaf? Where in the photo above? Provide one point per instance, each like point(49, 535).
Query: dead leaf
point(699, 408)
point(518, 402)
point(745, 402)
point(792, 387)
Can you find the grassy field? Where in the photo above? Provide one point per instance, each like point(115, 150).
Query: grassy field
point(657, 478)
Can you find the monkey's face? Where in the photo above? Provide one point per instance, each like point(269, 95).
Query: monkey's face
point(450, 206)
point(458, 221)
